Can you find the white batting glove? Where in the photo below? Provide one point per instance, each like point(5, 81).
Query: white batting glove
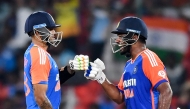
point(100, 64)
point(95, 72)
point(80, 62)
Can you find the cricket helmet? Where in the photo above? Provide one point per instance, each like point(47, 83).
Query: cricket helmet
point(40, 22)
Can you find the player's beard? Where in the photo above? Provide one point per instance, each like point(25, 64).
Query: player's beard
point(126, 51)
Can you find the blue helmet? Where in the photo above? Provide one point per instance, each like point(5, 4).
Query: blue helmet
point(131, 24)
point(39, 17)
point(40, 23)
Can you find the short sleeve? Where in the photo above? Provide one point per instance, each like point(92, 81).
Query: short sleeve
point(120, 85)
point(154, 68)
point(40, 66)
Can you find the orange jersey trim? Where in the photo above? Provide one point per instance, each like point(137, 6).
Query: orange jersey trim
point(153, 67)
point(40, 65)
point(120, 84)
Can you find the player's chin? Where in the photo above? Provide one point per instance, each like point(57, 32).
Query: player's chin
point(125, 51)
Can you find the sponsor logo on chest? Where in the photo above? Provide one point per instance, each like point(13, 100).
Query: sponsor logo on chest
point(129, 82)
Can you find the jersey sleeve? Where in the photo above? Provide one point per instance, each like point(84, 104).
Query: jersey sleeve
point(120, 85)
point(40, 66)
point(154, 69)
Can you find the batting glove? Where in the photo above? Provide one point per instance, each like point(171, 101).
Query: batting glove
point(95, 72)
point(80, 62)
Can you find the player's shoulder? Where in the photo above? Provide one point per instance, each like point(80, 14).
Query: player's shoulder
point(148, 53)
point(149, 56)
point(37, 50)
point(39, 55)
point(34, 50)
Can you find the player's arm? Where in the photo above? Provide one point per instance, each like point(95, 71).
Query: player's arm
point(113, 92)
point(165, 95)
point(40, 68)
point(155, 71)
point(65, 73)
point(40, 96)
point(94, 72)
point(80, 62)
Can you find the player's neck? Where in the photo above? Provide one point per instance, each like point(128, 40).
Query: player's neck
point(137, 50)
point(39, 43)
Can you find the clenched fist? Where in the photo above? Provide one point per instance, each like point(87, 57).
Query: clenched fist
point(80, 62)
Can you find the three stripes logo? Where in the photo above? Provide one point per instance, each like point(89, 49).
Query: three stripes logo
point(42, 56)
point(151, 58)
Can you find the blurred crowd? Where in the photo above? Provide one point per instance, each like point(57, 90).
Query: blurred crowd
point(86, 26)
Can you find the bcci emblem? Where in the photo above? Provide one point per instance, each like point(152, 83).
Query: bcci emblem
point(135, 70)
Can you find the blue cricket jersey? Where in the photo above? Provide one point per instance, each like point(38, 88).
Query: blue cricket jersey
point(140, 80)
point(40, 68)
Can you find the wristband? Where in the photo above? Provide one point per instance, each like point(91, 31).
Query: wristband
point(65, 75)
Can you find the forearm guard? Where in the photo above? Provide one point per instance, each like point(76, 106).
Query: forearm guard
point(64, 75)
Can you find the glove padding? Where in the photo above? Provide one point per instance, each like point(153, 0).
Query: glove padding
point(80, 62)
point(94, 71)
point(100, 64)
